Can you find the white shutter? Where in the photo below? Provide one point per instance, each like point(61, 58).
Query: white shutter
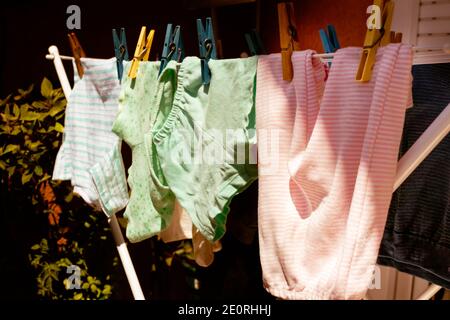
point(426, 25)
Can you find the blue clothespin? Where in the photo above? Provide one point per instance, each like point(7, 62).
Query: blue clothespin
point(254, 43)
point(120, 50)
point(329, 39)
point(173, 47)
point(207, 47)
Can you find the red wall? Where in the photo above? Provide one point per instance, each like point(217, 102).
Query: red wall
point(348, 17)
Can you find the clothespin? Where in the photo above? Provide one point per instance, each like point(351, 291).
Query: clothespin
point(288, 37)
point(207, 47)
point(77, 52)
point(329, 39)
point(396, 37)
point(142, 51)
point(374, 39)
point(254, 43)
point(120, 50)
point(173, 47)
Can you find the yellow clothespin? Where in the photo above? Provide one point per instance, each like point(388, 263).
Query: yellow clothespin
point(77, 52)
point(142, 51)
point(374, 39)
point(288, 37)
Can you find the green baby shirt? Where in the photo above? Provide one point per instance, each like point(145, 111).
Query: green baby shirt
point(203, 137)
point(151, 205)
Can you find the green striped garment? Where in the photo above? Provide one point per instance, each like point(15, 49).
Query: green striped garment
point(90, 155)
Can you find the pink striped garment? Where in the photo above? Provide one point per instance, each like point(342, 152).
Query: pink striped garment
point(327, 157)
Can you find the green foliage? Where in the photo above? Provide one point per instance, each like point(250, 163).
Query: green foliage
point(30, 135)
point(53, 282)
point(32, 131)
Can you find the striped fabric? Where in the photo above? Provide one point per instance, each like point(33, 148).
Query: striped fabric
point(327, 157)
point(90, 153)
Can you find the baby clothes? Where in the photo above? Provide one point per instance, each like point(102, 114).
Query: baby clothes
point(90, 153)
point(327, 158)
point(150, 207)
point(198, 163)
point(417, 235)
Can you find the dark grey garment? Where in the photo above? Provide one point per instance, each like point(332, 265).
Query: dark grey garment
point(417, 235)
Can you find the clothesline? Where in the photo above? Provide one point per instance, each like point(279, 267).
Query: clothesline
point(422, 50)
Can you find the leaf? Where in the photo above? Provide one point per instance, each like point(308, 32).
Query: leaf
point(169, 261)
point(46, 88)
point(36, 247)
point(40, 105)
point(2, 165)
point(27, 91)
point(24, 108)
point(59, 127)
point(38, 170)
point(107, 290)
point(55, 144)
point(57, 108)
point(78, 296)
point(30, 116)
point(33, 146)
point(11, 171)
point(11, 148)
point(5, 101)
point(16, 111)
point(85, 286)
point(26, 177)
point(87, 224)
point(15, 131)
point(69, 197)
point(46, 177)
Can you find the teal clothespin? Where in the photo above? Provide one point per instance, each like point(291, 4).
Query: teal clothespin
point(173, 47)
point(254, 43)
point(120, 50)
point(207, 47)
point(329, 39)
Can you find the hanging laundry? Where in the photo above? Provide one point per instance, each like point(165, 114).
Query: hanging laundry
point(153, 208)
point(323, 207)
point(90, 152)
point(151, 205)
point(417, 235)
point(188, 138)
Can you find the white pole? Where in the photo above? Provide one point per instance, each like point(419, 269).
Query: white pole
point(115, 228)
point(423, 146)
point(126, 259)
point(430, 292)
point(65, 84)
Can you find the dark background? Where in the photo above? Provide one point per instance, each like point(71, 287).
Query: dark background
point(28, 28)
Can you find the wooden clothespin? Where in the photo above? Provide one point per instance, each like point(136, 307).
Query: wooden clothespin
point(374, 39)
point(329, 39)
point(142, 51)
point(207, 47)
point(396, 37)
point(120, 50)
point(288, 37)
point(173, 46)
point(254, 43)
point(77, 52)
